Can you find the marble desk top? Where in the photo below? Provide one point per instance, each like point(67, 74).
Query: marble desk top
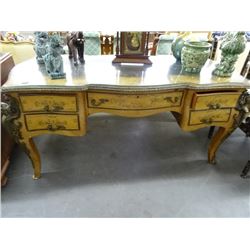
point(98, 72)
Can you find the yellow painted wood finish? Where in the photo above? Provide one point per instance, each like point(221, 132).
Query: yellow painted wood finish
point(35, 124)
point(48, 103)
point(52, 122)
point(218, 138)
point(191, 119)
point(215, 100)
point(75, 123)
point(30, 148)
point(54, 126)
point(208, 117)
point(134, 101)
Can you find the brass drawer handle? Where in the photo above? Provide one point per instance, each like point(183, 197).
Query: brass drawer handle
point(171, 99)
point(54, 127)
point(207, 120)
point(96, 103)
point(54, 108)
point(214, 106)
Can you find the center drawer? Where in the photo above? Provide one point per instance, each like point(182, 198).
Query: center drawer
point(214, 100)
point(48, 103)
point(134, 101)
point(52, 122)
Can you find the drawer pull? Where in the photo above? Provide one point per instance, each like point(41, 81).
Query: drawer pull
point(207, 120)
point(96, 103)
point(213, 106)
point(54, 127)
point(53, 108)
point(172, 99)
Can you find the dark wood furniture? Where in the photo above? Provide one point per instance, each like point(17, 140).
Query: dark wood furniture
point(107, 44)
point(7, 143)
point(155, 43)
point(246, 67)
point(214, 48)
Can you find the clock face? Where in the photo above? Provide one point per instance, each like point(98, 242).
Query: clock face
point(133, 43)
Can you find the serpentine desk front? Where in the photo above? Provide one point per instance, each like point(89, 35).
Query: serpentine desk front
point(37, 105)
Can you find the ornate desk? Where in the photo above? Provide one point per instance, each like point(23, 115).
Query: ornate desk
point(38, 105)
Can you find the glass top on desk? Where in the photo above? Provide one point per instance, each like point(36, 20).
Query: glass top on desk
point(99, 72)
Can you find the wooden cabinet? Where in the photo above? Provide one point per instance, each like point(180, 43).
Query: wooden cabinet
point(7, 143)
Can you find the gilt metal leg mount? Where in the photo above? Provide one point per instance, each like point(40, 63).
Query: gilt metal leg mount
point(10, 120)
point(244, 106)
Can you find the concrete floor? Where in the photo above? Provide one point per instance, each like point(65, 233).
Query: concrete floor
point(144, 167)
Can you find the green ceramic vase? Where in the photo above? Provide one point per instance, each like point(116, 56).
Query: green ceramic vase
point(178, 44)
point(194, 55)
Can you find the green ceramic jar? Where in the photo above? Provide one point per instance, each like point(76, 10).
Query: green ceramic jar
point(194, 55)
point(178, 44)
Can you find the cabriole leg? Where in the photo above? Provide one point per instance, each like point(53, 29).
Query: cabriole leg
point(32, 152)
point(216, 141)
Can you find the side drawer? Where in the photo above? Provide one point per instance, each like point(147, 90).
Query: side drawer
point(214, 100)
point(48, 103)
point(209, 116)
point(134, 101)
point(51, 122)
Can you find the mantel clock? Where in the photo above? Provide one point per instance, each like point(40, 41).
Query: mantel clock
point(132, 47)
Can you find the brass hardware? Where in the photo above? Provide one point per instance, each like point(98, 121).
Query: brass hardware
point(57, 108)
point(54, 108)
point(54, 127)
point(244, 107)
point(213, 106)
point(98, 103)
point(171, 99)
point(207, 120)
point(46, 108)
